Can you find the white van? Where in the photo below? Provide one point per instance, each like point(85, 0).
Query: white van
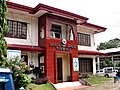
point(100, 72)
point(107, 72)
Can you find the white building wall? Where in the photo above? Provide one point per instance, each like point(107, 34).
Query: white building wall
point(32, 29)
point(89, 31)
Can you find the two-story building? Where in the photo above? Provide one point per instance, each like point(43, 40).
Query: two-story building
point(61, 43)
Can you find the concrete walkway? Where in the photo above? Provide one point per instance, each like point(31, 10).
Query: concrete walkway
point(69, 86)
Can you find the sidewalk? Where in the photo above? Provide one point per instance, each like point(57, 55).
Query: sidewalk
point(69, 86)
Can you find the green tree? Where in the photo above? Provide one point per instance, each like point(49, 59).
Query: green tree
point(106, 63)
point(3, 30)
point(113, 43)
point(118, 64)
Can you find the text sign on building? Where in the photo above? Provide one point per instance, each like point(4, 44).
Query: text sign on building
point(13, 54)
point(62, 47)
point(75, 64)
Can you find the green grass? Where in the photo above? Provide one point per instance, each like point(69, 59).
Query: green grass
point(98, 80)
point(47, 86)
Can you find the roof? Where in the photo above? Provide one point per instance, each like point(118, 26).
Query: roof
point(47, 8)
point(90, 25)
point(25, 48)
point(111, 50)
point(89, 52)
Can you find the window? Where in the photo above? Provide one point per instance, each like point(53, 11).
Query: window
point(70, 33)
point(17, 29)
point(25, 58)
point(84, 39)
point(85, 65)
point(55, 31)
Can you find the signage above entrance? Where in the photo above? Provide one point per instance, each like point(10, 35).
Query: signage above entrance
point(62, 47)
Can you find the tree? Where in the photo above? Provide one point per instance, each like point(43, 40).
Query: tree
point(106, 63)
point(3, 30)
point(113, 43)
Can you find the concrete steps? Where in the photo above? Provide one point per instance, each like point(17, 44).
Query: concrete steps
point(67, 84)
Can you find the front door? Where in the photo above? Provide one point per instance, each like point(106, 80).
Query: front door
point(59, 68)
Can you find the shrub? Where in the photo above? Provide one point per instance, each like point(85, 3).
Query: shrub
point(84, 75)
point(19, 67)
point(22, 80)
point(43, 80)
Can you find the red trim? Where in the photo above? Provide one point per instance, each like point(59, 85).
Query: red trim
point(86, 52)
point(19, 7)
point(93, 26)
point(25, 48)
point(58, 11)
point(55, 11)
point(45, 8)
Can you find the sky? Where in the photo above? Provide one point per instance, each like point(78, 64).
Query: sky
point(104, 13)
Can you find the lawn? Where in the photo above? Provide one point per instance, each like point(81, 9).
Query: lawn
point(47, 86)
point(98, 80)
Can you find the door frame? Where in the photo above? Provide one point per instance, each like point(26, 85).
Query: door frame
point(56, 64)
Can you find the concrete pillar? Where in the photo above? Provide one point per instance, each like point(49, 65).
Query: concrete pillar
point(94, 65)
point(112, 59)
point(98, 63)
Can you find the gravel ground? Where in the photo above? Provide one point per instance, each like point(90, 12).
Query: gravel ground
point(104, 86)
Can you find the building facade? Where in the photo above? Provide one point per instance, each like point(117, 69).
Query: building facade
point(112, 54)
point(61, 43)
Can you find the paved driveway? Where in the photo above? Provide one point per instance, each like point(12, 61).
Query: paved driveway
point(105, 86)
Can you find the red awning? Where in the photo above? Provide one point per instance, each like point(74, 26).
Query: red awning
point(88, 52)
point(25, 48)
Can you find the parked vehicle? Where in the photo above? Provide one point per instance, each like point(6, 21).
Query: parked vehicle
point(100, 72)
point(107, 72)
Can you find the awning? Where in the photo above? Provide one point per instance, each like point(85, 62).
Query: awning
point(25, 48)
point(89, 52)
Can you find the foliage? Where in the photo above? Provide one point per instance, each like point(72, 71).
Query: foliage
point(22, 80)
point(3, 30)
point(84, 75)
point(106, 63)
point(18, 66)
point(95, 79)
point(42, 80)
point(113, 43)
point(118, 64)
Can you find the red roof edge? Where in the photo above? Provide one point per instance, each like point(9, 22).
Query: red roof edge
point(46, 8)
point(93, 26)
point(58, 11)
point(88, 52)
point(25, 48)
point(19, 7)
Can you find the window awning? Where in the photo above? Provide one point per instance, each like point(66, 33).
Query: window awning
point(25, 48)
point(89, 52)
